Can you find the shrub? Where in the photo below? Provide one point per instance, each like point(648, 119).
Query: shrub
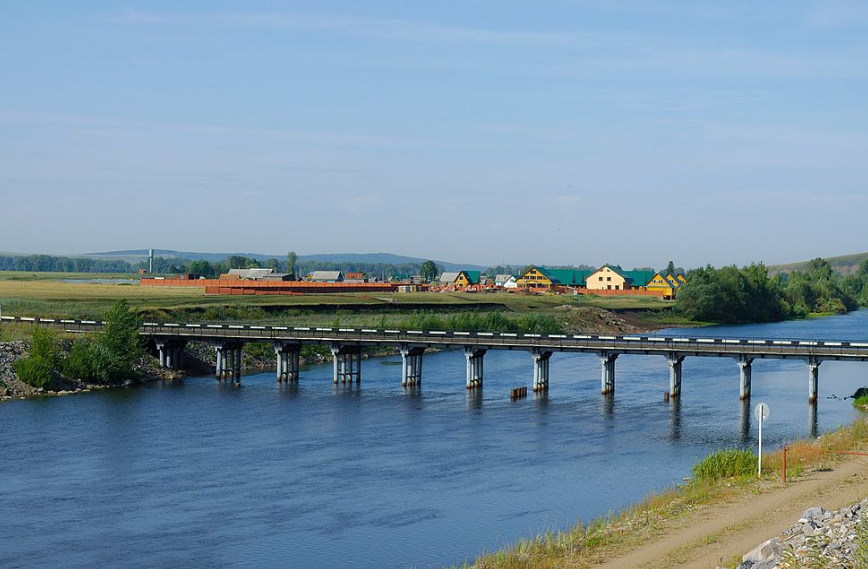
point(35, 371)
point(80, 363)
point(725, 463)
point(860, 398)
point(44, 347)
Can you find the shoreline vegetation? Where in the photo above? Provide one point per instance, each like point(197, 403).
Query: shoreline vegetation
point(722, 477)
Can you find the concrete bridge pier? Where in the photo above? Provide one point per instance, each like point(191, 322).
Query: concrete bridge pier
point(813, 378)
point(411, 365)
point(675, 361)
point(229, 361)
point(744, 376)
point(288, 358)
point(607, 363)
point(540, 369)
point(171, 353)
point(347, 361)
point(474, 357)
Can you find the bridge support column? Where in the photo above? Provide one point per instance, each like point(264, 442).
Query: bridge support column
point(288, 356)
point(347, 361)
point(540, 369)
point(411, 365)
point(474, 357)
point(607, 364)
point(813, 378)
point(218, 372)
point(675, 361)
point(171, 353)
point(744, 376)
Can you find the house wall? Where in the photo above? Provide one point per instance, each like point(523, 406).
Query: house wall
point(534, 279)
point(607, 279)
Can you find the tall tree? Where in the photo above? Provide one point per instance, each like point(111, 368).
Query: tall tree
point(428, 270)
point(291, 260)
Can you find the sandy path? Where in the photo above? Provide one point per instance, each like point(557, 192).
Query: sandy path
point(721, 534)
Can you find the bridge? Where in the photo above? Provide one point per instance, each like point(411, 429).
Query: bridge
point(170, 339)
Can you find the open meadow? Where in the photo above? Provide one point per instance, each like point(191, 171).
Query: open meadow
point(47, 295)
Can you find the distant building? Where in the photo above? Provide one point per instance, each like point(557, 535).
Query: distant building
point(467, 278)
point(447, 279)
point(667, 284)
point(612, 277)
point(249, 274)
point(543, 278)
point(505, 281)
point(326, 277)
point(355, 278)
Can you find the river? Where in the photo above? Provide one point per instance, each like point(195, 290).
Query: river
point(201, 474)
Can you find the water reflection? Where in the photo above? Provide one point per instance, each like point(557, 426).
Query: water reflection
point(744, 422)
point(607, 406)
point(474, 399)
point(675, 419)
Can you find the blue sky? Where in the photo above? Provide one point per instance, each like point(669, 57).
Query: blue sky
point(546, 131)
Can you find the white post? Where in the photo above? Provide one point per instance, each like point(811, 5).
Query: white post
point(759, 469)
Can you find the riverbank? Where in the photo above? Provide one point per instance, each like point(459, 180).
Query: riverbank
point(702, 524)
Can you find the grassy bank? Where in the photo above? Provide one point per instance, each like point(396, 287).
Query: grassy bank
point(44, 294)
point(618, 533)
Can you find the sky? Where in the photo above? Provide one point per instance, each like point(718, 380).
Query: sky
point(478, 131)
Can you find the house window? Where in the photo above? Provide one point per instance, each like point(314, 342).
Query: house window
point(609, 287)
point(608, 278)
point(601, 278)
point(617, 287)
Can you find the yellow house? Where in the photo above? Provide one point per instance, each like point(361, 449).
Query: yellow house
point(609, 277)
point(467, 278)
point(666, 283)
point(536, 277)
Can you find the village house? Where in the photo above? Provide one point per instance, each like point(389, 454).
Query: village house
point(611, 277)
point(666, 284)
point(505, 281)
point(326, 277)
point(542, 278)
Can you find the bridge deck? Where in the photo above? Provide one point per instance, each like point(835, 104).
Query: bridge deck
point(629, 344)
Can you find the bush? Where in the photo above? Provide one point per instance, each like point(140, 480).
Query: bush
point(860, 398)
point(81, 362)
point(35, 372)
point(727, 463)
point(44, 347)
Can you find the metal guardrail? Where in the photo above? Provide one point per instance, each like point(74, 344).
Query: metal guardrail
point(626, 344)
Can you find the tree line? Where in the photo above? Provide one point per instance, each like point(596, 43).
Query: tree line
point(51, 263)
point(749, 294)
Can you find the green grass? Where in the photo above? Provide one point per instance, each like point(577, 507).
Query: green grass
point(44, 294)
point(728, 463)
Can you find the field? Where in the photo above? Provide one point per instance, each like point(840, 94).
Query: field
point(44, 294)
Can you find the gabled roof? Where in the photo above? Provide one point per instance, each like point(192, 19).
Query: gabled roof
point(639, 278)
point(326, 276)
point(448, 278)
point(472, 276)
point(250, 273)
point(502, 278)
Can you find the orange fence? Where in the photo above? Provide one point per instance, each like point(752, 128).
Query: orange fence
point(237, 286)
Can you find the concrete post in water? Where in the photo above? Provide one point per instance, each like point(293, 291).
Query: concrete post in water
point(540, 369)
point(161, 348)
point(336, 352)
point(675, 361)
point(744, 376)
point(219, 368)
point(813, 378)
point(474, 357)
point(281, 363)
point(607, 369)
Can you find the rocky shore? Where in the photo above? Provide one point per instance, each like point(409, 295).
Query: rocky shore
point(818, 539)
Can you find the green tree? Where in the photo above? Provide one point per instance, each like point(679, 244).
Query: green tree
point(271, 264)
point(428, 270)
point(291, 262)
point(119, 341)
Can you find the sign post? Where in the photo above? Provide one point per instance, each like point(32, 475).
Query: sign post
point(761, 412)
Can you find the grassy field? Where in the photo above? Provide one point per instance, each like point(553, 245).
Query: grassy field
point(44, 294)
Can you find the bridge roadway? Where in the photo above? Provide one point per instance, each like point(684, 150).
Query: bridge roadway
point(169, 339)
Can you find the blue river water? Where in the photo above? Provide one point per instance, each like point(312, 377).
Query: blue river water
point(201, 474)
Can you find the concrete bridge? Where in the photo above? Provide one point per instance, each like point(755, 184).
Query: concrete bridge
point(346, 344)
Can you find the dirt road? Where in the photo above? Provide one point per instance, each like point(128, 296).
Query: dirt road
point(722, 534)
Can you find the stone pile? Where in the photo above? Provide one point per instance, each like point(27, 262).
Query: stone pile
point(820, 538)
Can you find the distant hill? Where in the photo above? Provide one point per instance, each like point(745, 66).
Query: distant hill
point(845, 264)
point(136, 255)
